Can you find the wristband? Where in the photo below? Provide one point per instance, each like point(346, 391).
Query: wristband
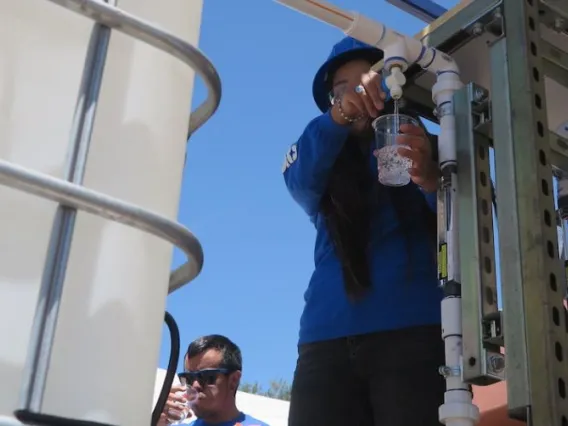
point(345, 116)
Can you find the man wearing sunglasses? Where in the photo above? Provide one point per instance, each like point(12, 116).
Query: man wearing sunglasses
point(213, 367)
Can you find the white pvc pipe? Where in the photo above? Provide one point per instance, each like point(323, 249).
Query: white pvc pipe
point(457, 409)
point(447, 150)
point(322, 11)
point(375, 34)
point(398, 45)
point(108, 335)
point(399, 50)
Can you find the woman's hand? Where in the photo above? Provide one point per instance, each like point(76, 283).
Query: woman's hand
point(424, 171)
point(361, 101)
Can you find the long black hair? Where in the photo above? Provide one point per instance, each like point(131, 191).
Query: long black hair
point(352, 196)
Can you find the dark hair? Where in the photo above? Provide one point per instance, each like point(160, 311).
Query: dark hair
point(232, 358)
point(352, 195)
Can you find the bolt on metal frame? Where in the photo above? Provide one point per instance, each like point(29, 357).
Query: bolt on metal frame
point(72, 197)
point(510, 115)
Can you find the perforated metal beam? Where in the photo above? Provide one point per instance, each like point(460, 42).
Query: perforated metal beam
point(483, 363)
point(531, 274)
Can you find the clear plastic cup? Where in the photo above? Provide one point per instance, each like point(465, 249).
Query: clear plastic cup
point(392, 167)
point(182, 410)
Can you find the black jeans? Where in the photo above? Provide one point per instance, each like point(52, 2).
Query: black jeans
point(380, 379)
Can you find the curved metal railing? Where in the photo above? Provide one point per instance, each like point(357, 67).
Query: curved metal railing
point(81, 198)
point(117, 19)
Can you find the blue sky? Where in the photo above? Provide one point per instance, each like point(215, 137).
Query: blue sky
point(258, 244)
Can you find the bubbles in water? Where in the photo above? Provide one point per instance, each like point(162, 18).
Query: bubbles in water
point(393, 168)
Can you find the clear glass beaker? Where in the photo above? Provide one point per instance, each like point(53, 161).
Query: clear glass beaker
point(392, 167)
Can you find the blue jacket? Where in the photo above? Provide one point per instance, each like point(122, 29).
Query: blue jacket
point(241, 420)
point(397, 299)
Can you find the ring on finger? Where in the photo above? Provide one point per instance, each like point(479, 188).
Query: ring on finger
point(360, 89)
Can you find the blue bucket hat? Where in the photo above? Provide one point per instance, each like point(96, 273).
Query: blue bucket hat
point(346, 50)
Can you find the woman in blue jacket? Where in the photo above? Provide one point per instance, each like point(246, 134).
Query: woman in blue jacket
point(370, 337)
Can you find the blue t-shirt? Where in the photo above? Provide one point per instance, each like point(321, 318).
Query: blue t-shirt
point(404, 292)
point(242, 420)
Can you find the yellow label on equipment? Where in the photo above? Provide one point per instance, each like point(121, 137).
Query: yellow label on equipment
point(443, 261)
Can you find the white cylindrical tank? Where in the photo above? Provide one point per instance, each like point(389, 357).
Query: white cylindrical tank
point(107, 340)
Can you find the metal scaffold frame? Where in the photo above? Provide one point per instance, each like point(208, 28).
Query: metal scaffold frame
point(531, 273)
point(72, 196)
point(509, 114)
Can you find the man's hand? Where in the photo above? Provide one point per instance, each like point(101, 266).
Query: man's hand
point(365, 100)
point(163, 420)
point(424, 171)
point(176, 407)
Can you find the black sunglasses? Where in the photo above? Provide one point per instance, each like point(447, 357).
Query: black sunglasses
point(205, 377)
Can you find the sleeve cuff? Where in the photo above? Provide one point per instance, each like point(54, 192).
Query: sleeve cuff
point(431, 199)
point(332, 130)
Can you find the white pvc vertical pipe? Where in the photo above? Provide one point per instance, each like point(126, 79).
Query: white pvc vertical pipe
point(107, 341)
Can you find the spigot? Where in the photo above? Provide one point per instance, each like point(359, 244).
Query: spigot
point(395, 81)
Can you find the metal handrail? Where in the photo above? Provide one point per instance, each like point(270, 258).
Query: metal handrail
point(81, 198)
point(139, 29)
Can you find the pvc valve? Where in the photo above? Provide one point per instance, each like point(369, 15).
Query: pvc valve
point(396, 92)
point(395, 81)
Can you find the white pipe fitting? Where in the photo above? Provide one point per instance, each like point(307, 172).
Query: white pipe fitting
point(399, 53)
point(447, 83)
point(457, 409)
point(447, 151)
point(322, 11)
point(399, 49)
point(395, 81)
